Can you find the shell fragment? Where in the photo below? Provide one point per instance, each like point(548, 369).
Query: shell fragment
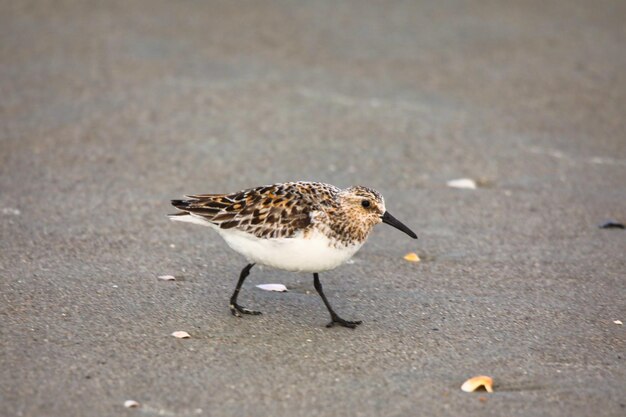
point(465, 183)
point(476, 382)
point(131, 404)
point(272, 287)
point(412, 257)
point(167, 277)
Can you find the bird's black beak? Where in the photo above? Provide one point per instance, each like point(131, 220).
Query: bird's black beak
point(392, 221)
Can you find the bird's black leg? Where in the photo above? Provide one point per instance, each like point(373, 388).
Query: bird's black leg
point(235, 308)
point(334, 318)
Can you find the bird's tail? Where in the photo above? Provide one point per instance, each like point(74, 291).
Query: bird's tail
point(182, 204)
point(189, 212)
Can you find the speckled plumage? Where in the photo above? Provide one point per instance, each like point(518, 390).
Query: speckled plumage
point(295, 226)
point(283, 210)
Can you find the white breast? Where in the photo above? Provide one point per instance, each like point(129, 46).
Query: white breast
point(315, 253)
point(312, 254)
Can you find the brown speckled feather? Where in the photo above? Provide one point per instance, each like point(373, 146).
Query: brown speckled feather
point(272, 211)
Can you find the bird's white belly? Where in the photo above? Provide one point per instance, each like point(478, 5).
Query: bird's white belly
point(316, 253)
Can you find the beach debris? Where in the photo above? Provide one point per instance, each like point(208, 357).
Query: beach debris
point(131, 404)
point(181, 335)
point(167, 277)
point(412, 257)
point(618, 322)
point(611, 224)
point(273, 287)
point(464, 183)
point(477, 382)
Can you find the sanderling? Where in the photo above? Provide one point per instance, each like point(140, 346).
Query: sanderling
point(295, 226)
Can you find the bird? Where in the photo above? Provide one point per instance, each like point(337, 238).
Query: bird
point(297, 226)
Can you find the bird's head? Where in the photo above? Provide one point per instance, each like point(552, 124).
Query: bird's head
point(367, 206)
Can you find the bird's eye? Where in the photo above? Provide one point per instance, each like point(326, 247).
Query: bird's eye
point(365, 203)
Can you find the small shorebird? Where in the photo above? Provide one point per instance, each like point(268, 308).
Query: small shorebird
point(295, 226)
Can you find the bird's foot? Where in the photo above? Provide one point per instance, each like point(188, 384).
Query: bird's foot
point(341, 322)
point(238, 310)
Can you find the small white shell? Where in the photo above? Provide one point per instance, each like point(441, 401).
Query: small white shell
point(167, 277)
point(466, 183)
point(181, 335)
point(476, 382)
point(131, 404)
point(617, 322)
point(272, 287)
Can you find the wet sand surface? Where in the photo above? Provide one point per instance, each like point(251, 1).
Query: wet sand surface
point(108, 110)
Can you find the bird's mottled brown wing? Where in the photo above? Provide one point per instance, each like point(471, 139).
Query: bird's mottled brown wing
point(271, 211)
